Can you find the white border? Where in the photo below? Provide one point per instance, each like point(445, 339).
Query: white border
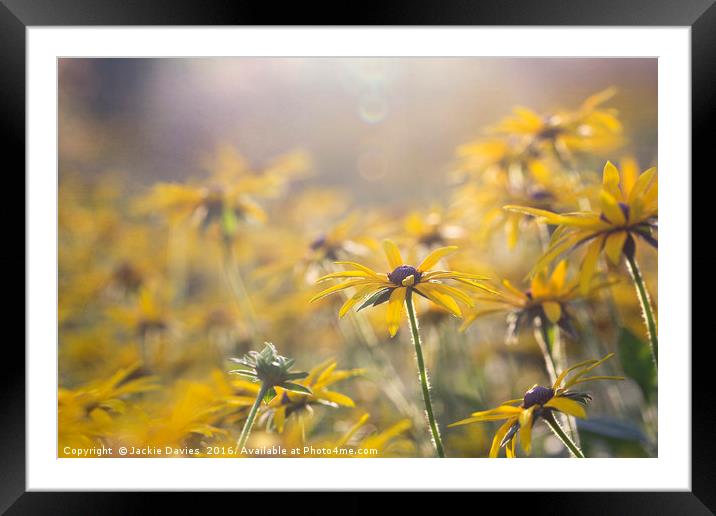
point(671, 470)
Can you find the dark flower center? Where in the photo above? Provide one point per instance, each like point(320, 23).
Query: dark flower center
point(318, 243)
point(537, 395)
point(540, 194)
point(402, 272)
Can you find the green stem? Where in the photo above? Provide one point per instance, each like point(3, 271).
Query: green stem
point(391, 383)
point(423, 374)
point(236, 282)
point(248, 425)
point(549, 419)
point(550, 344)
point(543, 340)
point(646, 307)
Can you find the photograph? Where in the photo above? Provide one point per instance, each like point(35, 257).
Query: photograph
point(357, 257)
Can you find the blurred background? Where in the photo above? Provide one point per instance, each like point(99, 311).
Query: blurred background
point(384, 128)
point(200, 199)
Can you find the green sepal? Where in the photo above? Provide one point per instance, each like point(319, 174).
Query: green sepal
point(376, 299)
point(294, 387)
point(247, 374)
point(270, 395)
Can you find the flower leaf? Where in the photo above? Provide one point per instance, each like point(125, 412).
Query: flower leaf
point(637, 362)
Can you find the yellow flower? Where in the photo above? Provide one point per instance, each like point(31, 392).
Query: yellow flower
point(628, 208)
point(502, 156)
point(521, 414)
point(319, 378)
point(228, 197)
point(484, 200)
point(205, 206)
point(85, 413)
point(590, 128)
point(148, 315)
point(229, 167)
point(374, 288)
point(367, 442)
point(547, 298)
point(338, 241)
point(304, 258)
point(434, 228)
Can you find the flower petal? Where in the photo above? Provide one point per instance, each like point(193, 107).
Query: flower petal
point(395, 310)
point(553, 310)
point(547, 216)
point(499, 435)
point(611, 209)
point(363, 268)
point(586, 368)
point(512, 229)
point(593, 378)
point(564, 373)
point(345, 274)
point(358, 296)
point(454, 292)
point(341, 286)
point(610, 180)
point(433, 258)
point(510, 449)
point(336, 397)
point(613, 246)
point(507, 410)
point(517, 292)
point(642, 184)
point(476, 419)
point(453, 275)
point(558, 276)
point(392, 253)
point(526, 421)
point(630, 173)
point(589, 264)
point(279, 419)
point(567, 406)
point(430, 291)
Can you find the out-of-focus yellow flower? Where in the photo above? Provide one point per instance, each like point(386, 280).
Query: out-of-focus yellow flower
point(339, 242)
point(502, 156)
point(539, 402)
point(228, 198)
point(85, 413)
point(228, 166)
point(484, 199)
point(629, 207)
point(149, 315)
point(545, 300)
point(386, 443)
point(373, 288)
point(436, 228)
point(224, 206)
point(305, 260)
point(361, 440)
point(590, 128)
point(190, 409)
point(318, 380)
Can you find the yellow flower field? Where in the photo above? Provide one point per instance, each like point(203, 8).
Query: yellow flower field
point(358, 258)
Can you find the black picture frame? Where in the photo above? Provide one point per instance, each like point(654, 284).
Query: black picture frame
point(17, 15)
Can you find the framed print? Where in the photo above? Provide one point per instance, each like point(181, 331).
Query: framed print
point(258, 253)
